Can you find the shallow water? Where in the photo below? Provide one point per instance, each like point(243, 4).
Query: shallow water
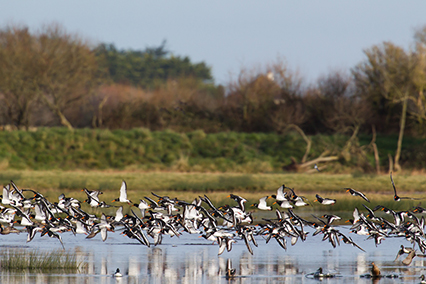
point(190, 259)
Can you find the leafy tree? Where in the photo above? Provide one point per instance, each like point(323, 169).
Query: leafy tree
point(419, 111)
point(389, 73)
point(148, 68)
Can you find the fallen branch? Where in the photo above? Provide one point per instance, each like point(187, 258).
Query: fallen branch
point(307, 140)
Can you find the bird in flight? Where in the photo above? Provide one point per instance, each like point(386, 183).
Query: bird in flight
point(396, 197)
point(316, 167)
point(356, 193)
point(325, 201)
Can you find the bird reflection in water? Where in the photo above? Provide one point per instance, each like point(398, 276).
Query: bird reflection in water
point(230, 272)
point(200, 264)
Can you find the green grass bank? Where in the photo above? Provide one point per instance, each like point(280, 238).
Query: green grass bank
point(145, 150)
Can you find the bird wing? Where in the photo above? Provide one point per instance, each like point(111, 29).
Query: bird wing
point(17, 190)
point(400, 252)
point(356, 192)
point(393, 185)
point(244, 236)
point(281, 242)
point(400, 197)
point(263, 200)
point(280, 193)
point(119, 214)
point(104, 234)
point(409, 258)
point(222, 245)
point(123, 191)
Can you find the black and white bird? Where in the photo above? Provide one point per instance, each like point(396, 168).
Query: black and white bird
point(316, 167)
point(324, 201)
point(396, 197)
point(262, 205)
point(123, 194)
point(356, 193)
point(117, 273)
point(330, 218)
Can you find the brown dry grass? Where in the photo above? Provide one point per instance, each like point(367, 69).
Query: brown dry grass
point(217, 186)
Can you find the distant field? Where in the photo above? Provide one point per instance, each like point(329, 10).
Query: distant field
point(217, 186)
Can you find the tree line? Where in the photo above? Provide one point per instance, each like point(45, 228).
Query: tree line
point(52, 77)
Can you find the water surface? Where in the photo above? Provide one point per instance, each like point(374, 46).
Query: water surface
point(189, 259)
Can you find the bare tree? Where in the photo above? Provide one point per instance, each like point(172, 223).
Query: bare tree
point(19, 74)
point(345, 111)
point(55, 66)
point(69, 70)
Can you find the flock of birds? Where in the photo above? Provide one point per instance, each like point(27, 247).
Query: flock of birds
point(224, 225)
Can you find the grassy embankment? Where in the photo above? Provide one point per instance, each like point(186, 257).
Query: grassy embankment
point(145, 150)
point(55, 161)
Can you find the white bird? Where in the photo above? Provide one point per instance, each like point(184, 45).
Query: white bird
point(280, 193)
point(6, 195)
point(80, 228)
point(284, 203)
point(119, 214)
point(298, 201)
point(40, 215)
point(104, 227)
point(262, 205)
point(123, 194)
point(143, 205)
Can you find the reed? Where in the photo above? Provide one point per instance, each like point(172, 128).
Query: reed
point(21, 259)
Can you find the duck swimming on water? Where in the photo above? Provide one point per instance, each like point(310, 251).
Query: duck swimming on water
point(117, 273)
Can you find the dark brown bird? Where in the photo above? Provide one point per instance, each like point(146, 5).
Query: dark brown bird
point(403, 250)
point(410, 256)
point(375, 271)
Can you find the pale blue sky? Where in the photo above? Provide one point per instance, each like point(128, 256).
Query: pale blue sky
point(313, 36)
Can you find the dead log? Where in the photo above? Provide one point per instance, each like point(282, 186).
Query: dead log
point(292, 167)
